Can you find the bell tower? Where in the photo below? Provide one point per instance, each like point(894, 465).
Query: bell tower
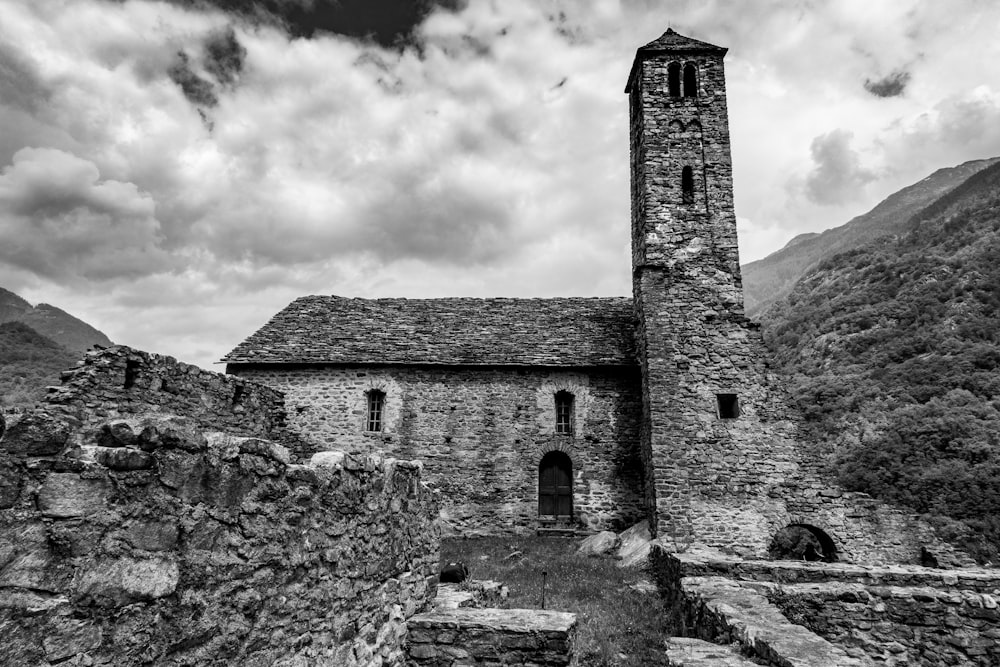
point(701, 393)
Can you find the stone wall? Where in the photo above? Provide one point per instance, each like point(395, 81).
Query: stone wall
point(899, 625)
point(481, 433)
point(120, 381)
point(153, 542)
point(495, 637)
point(822, 614)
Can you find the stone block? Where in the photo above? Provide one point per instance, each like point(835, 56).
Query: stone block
point(123, 458)
point(67, 637)
point(38, 433)
point(67, 495)
point(121, 581)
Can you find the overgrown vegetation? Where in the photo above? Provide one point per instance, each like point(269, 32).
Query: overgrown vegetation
point(617, 625)
point(893, 354)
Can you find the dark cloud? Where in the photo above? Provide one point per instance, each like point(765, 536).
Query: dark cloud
point(198, 90)
point(385, 22)
point(892, 85)
point(224, 56)
point(838, 176)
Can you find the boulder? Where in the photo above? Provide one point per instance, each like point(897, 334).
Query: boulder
point(598, 544)
point(634, 545)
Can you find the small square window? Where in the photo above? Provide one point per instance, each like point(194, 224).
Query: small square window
point(376, 406)
point(729, 406)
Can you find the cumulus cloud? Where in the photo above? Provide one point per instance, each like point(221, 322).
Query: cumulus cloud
point(59, 220)
point(838, 174)
point(892, 85)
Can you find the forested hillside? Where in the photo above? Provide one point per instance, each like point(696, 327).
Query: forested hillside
point(772, 278)
point(29, 362)
point(893, 353)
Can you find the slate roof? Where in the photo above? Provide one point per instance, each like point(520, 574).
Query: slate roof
point(673, 42)
point(566, 332)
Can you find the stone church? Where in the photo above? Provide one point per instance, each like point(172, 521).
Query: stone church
point(592, 412)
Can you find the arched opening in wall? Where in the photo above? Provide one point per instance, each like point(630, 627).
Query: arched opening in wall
point(690, 80)
point(800, 541)
point(674, 79)
point(687, 185)
point(555, 486)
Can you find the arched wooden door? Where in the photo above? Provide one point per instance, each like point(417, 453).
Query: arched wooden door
point(555, 486)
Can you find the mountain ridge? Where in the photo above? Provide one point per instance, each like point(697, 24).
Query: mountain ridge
point(773, 277)
point(54, 323)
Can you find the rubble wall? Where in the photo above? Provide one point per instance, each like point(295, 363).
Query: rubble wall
point(164, 544)
point(120, 381)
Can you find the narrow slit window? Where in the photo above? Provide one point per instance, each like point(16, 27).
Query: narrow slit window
point(376, 407)
point(687, 185)
point(674, 79)
point(131, 373)
point(564, 413)
point(237, 395)
point(729, 406)
point(690, 80)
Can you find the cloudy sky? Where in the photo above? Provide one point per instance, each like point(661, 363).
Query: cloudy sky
point(176, 172)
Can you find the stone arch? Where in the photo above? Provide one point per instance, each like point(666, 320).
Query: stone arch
point(675, 127)
point(690, 80)
point(674, 79)
point(803, 541)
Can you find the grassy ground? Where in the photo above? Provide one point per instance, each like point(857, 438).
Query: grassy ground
point(617, 625)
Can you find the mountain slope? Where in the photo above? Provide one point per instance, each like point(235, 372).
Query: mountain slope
point(769, 279)
point(892, 351)
point(28, 363)
point(70, 332)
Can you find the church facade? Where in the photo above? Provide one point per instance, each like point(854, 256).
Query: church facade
point(598, 412)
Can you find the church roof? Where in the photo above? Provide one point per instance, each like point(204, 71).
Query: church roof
point(670, 42)
point(565, 332)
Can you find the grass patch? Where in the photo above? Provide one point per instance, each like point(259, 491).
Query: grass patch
point(617, 625)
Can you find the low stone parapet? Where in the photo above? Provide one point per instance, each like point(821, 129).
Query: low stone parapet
point(495, 637)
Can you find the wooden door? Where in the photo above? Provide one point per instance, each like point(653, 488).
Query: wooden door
point(555, 485)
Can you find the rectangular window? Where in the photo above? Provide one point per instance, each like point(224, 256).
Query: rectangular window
point(564, 413)
point(729, 406)
point(376, 404)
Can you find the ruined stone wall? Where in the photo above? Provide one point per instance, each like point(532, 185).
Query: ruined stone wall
point(897, 625)
point(481, 433)
point(801, 612)
point(120, 381)
point(496, 637)
point(167, 545)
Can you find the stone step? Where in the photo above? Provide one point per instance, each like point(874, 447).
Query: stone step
point(556, 532)
point(688, 652)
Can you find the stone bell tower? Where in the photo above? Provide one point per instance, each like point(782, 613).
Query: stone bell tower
point(705, 446)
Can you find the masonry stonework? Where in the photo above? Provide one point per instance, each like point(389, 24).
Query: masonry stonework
point(482, 433)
